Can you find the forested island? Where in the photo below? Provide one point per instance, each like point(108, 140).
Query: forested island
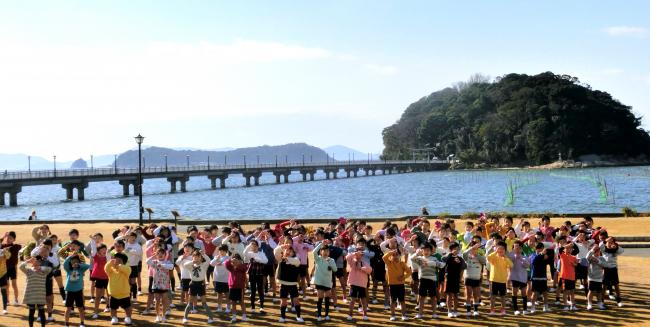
point(518, 119)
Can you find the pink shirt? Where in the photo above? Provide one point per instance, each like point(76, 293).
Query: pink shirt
point(302, 250)
point(359, 271)
point(237, 276)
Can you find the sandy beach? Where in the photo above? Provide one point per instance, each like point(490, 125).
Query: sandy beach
point(634, 270)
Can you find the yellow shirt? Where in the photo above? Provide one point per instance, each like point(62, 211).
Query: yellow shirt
point(3, 261)
point(118, 280)
point(396, 270)
point(499, 267)
point(510, 243)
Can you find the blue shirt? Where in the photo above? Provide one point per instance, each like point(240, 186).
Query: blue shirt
point(74, 281)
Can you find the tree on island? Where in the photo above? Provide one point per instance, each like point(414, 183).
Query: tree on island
point(518, 119)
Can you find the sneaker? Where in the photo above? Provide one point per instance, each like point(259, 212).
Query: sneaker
point(193, 311)
point(336, 308)
point(299, 319)
point(612, 297)
point(455, 314)
point(50, 319)
point(82, 325)
point(601, 306)
point(107, 310)
point(4, 312)
point(387, 307)
point(92, 300)
point(140, 293)
point(218, 310)
point(184, 320)
point(417, 307)
point(558, 303)
point(227, 310)
point(503, 312)
point(566, 308)
point(574, 308)
point(172, 305)
point(349, 318)
point(244, 318)
point(16, 303)
point(434, 316)
point(525, 312)
point(365, 318)
point(398, 307)
point(304, 297)
point(164, 319)
point(252, 310)
point(517, 313)
point(234, 318)
point(262, 311)
point(281, 320)
point(620, 304)
point(529, 304)
point(157, 320)
point(418, 316)
point(589, 307)
point(327, 318)
point(475, 313)
point(492, 313)
point(145, 312)
point(450, 315)
point(443, 304)
point(405, 318)
point(94, 316)
point(102, 300)
point(392, 318)
point(551, 290)
point(210, 320)
point(546, 309)
point(374, 301)
point(127, 320)
point(115, 321)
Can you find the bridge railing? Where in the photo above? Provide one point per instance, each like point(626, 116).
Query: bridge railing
point(116, 171)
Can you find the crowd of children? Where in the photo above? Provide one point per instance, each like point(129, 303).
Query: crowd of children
point(420, 267)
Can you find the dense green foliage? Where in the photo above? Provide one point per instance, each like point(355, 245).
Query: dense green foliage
point(518, 119)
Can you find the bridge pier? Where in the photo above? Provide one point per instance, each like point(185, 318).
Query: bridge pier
point(13, 196)
point(334, 173)
point(69, 190)
point(255, 175)
point(126, 185)
point(222, 181)
point(172, 183)
point(305, 172)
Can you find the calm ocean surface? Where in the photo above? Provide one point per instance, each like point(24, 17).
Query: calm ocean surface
point(454, 192)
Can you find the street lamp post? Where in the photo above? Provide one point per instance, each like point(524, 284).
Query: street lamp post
point(139, 139)
point(244, 161)
point(54, 165)
point(187, 157)
point(208, 162)
point(29, 163)
point(115, 163)
point(92, 166)
point(165, 163)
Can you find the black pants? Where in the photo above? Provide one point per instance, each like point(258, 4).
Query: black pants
point(257, 285)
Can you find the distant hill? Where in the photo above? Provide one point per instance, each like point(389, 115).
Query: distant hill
point(519, 120)
point(79, 164)
point(341, 152)
point(155, 156)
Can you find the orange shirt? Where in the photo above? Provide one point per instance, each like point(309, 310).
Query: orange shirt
point(568, 266)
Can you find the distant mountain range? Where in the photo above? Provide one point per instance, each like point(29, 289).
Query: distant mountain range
point(341, 152)
point(155, 157)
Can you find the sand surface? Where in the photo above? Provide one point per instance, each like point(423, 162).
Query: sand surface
point(634, 271)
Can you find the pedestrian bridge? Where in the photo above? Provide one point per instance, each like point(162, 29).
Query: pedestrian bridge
point(11, 183)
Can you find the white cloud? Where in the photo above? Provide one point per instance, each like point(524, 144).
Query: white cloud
point(385, 70)
point(627, 31)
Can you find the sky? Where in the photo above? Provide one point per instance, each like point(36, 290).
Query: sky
point(80, 78)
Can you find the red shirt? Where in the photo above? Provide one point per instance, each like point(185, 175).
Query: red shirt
point(237, 276)
point(98, 272)
point(568, 266)
point(209, 247)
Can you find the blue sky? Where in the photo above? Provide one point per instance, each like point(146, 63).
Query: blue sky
point(80, 78)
